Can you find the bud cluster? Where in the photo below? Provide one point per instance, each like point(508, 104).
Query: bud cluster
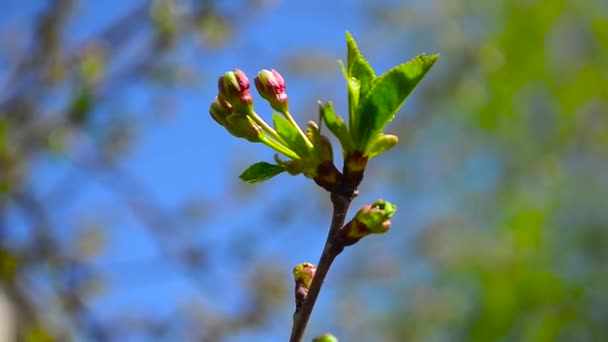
point(310, 153)
point(233, 105)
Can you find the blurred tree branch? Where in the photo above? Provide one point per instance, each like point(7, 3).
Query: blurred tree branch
point(53, 93)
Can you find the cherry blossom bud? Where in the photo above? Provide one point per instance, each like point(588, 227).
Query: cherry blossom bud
point(219, 112)
point(233, 89)
point(271, 86)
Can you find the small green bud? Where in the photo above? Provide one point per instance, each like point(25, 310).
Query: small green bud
point(326, 338)
point(242, 126)
point(371, 219)
point(376, 216)
point(220, 112)
point(303, 274)
point(233, 89)
point(271, 86)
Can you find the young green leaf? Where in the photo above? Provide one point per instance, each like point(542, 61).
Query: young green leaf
point(353, 89)
point(260, 172)
point(290, 134)
point(357, 66)
point(336, 125)
point(381, 144)
point(387, 94)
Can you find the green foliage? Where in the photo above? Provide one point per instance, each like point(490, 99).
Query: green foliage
point(357, 66)
point(374, 101)
point(386, 95)
point(360, 76)
point(336, 125)
point(380, 144)
point(290, 134)
point(260, 172)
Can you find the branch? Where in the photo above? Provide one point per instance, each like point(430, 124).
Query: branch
point(331, 250)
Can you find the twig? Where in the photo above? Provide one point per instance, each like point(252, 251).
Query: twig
point(330, 252)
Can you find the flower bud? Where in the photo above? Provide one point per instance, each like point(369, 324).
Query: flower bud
point(233, 89)
point(219, 112)
point(376, 216)
point(241, 126)
point(371, 219)
point(271, 86)
point(325, 338)
point(303, 274)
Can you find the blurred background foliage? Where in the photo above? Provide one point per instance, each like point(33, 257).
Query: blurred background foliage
point(501, 176)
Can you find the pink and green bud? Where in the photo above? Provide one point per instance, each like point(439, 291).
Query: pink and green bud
point(271, 86)
point(233, 89)
point(371, 219)
point(303, 274)
point(376, 216)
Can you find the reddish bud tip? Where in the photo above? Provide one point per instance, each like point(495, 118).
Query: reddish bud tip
point(233, 89)
point(303, 274)
point(271, 86)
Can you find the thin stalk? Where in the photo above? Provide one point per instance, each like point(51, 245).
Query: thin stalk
point(293, 122)
point(258, 120)
point(277, 146)
point(330, 252)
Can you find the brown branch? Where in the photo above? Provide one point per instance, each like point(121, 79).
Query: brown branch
point(341, 201)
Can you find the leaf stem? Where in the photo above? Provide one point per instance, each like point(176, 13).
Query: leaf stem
point(277, 146)
point(331, 250)
point(294, 123)
point(258, 120)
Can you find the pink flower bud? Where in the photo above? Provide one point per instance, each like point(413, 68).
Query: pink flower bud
point(271, 86)
point(303, 274)
point(233, 89)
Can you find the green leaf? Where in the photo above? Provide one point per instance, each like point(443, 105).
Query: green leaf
point(357, 66)
point(359, 77)
point(353, 90)
point(290, 134)
point(260, 172)
point(336, 125)
point(387, 94)
point(381, 144)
